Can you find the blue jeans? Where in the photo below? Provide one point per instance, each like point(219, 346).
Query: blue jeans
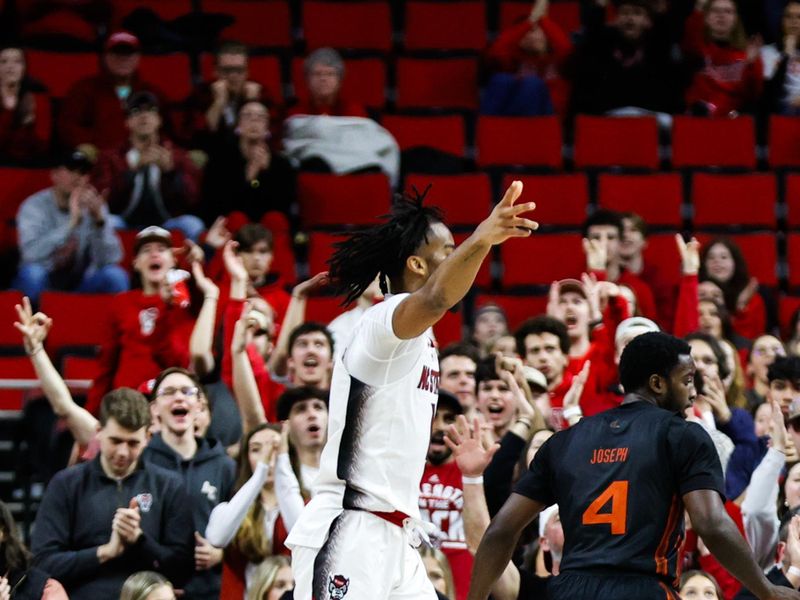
point(33, 279)
point(508, 95)
point(189, 225)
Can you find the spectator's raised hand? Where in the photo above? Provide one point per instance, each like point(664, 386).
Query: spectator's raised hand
point(553, 305)
point(505, 221)
point(572, 399)
point(789, 44)
point(5, 589)
point(539, 10)
point(777, 431)
point(206, 556)
point(754, 45)
point(218, 234)
point(747, 294)
point(244, 330)
point(93, 202)
point(219, 89)
point(472, 448)
point(233, 262)
point(259, 160)
point(690, 254)
point(506, 368)
point(33, 327)
point(204, 284)
point(596, 254)
point(309, 286)
point(714, 393)
point(75, 208)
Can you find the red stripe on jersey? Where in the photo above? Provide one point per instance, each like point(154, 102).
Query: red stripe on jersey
point(662, 567)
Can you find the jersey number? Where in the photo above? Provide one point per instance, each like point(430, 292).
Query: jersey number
point(617, 492)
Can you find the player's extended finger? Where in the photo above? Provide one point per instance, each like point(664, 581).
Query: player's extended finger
point(513, 192)
point(518, 209)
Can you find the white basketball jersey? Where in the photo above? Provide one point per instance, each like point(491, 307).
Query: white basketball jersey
point(382, 402)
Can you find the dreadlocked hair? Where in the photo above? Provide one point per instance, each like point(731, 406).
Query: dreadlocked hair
point(381, 251)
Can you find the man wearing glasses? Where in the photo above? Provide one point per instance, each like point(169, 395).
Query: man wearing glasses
point(208, 473)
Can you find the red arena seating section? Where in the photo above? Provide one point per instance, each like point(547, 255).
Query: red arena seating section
point(703, 142)
point(265, 70)
point(434, 26)
point(738, 200)
point(79, 367)
point(437, 83)
point(616, 141)
point(793, 200)
point(465, 199)
point(340, 200)
point(18, 184)
point(169, 72)
point(165, 9)
point(519, 141)
point(656, 198)
point(357, 25)
point(59, 70)
point(560, 199)
point(9, 336)
point(320, 249)
point(793, 258)
point(542, 259)
point(257, 24)
point(364, 81)
point(14, 367)
point(784, 151)
point(787, 306)
point(662, 253)
point(445, 133)
point(69, 331)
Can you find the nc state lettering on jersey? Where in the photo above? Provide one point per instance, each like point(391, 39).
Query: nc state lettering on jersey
point(429, 380)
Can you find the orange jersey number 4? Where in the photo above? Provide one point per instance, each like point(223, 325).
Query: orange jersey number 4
point(617, 492)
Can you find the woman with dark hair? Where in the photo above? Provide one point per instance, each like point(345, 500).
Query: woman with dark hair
point(21, 137)
point(782, 65)
point(18, 578)
point(722, 263)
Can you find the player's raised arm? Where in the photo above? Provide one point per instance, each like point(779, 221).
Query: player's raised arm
point(715, 527)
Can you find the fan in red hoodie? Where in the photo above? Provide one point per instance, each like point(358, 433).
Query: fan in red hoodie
point(149, 328)
point(729, 74)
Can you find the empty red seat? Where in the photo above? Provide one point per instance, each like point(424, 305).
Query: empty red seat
point(166, 9)
point(793, 258)
point(171, 73)
point(760, 252)
point(338, 200)
point(78, 319)
point(792, 198)
point(283, 256)
point(566, 14)
point(743, 200)
point(324, 309)
point(445, 133)
point(465, 199)
point(445, 26)
point(523, 141)
point(656, 198)
point(18, 184)
point(263, 69)
point(79, 367)
point(60, 70)
point(560, 199)
point(787, 307)
point(358, 25)
point(784, 141)
point(541, 259)
point(364, 81)
point(9, 336)
point(449, 328)
point(320, 249)
point(662, 252)
point(616, 141)
point(437, 83)
point(259, 24)
point(517, 308)
point(14, 367)
point(705, 142)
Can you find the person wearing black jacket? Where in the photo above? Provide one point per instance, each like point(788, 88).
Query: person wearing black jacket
point(786, 573)
point(103, 520)
point(208, 473)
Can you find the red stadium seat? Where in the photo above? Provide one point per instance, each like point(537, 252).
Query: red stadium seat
point(44, 117)
point(79, 367)
point(787, 306)
point(324, 309)
point(78, 319)
point(560, 199)
point(437, 83)
point(656, 198)
point(265, 70)
point(705, 142)
point(171, 73)
point(357, 25)
point(14, 367)
point(337, 200)
point(435, 26)
point(484, 277)
point(743, 200)
point(59, 70)
point(542, 259)
point(9, 336)
point(283, 256)
point(257, 24)
point(616, 141)
point(166, 9)
point(449, 328)
point(760, 252)
point(320, 249)
point(793, 258)
point(523, 141)
point(784, 149)
point(364, 81)
point(445, 133)
point(517, 308)
point(465, 199)
point(566, 14)
point(662, 252)
point(793, 200)
point(18, 184)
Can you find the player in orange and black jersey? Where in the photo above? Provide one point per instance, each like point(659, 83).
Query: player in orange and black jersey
point(622, 480)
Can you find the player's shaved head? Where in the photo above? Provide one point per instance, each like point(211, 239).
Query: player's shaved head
point(650, 354)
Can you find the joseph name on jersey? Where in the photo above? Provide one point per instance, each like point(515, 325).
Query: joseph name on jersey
point(382, 402)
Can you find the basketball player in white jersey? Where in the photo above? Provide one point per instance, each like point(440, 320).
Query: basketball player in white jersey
point(353, 541)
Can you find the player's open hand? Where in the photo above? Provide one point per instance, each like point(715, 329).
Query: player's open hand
point(472, 448)
point(505, 221)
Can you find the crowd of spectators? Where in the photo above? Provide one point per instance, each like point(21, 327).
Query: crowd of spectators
point(199, 441)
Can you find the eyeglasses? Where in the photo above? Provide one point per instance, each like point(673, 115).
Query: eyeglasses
point(188, 391)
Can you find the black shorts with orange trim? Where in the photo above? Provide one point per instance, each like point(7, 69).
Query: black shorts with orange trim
point(576, 585)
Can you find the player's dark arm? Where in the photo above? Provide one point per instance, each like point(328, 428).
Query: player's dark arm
point(455, 275)
point(715, 527)
point(499, 541)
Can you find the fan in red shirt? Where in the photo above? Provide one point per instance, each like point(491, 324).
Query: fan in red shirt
point(729, 73)
point(149, 328)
